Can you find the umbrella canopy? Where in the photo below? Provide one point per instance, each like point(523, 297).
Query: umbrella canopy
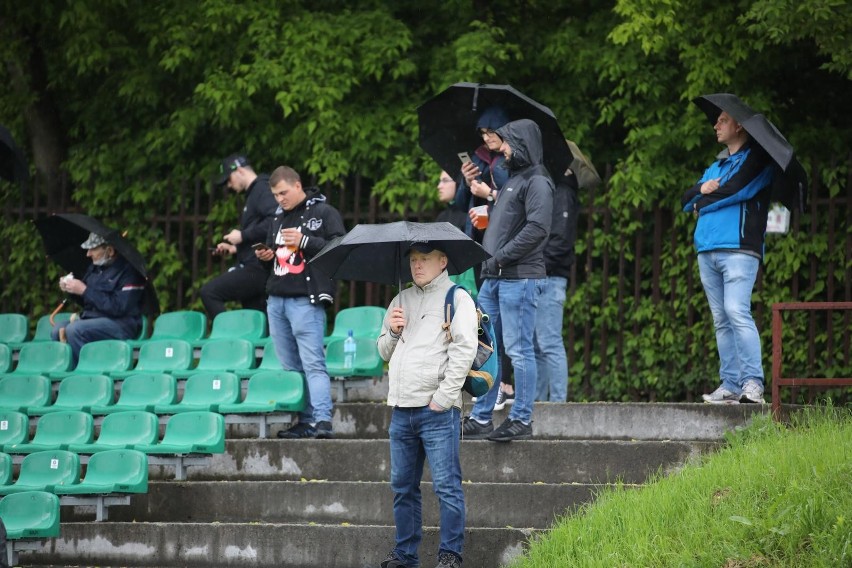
point(587, 176)
point(789, 186)
point(13, 166)
point(378, 253)
point(447, 123)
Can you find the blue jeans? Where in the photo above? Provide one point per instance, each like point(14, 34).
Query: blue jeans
point(728, 279)
point(83, 331)
point(297, 329)
point(550, 356)
point(417, 434)
point(512, 307)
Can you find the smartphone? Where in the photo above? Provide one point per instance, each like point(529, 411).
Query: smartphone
point(260, 246)
point(464, 157)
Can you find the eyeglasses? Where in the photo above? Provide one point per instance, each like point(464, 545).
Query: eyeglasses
point(486, 131)
point(445, 180)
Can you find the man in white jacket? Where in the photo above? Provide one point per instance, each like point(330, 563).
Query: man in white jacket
point(427, 370)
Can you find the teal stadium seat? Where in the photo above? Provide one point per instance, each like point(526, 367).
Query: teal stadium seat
point(239, 324)
point(57, 431)
point(190, 433)
point(101, 358)
point(113, 471)
point(368, 363)
point(161, 356)
point(43, 327)
point(268, 362)
point(24, 393)
point(142, 392)
point(5, 469)
point(270, 391)
point(205, 391)
point(186, 325)
point(5, 358)
point(79, 392)
point(364, 321)
point(43, 471)
point(14, 427)
point(31, 514)
point(42, 358)
point(14, 328)
point(122, 430)
point(220, 355)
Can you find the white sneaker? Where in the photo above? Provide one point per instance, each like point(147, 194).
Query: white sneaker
point(503, 398)
point(752, 392)
point(721, 396)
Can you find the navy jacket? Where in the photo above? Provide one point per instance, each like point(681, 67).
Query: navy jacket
point(559, 250)
point(113, 291)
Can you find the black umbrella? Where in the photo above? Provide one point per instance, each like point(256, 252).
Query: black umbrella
point(790, 184)
point(13, 166)
point(447, 123)
point(377, 253)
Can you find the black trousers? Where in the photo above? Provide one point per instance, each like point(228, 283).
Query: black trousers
point(245, 284)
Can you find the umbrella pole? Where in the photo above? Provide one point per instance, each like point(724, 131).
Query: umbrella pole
point(56, 311)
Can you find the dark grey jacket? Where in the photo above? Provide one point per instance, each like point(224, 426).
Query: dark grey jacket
point(519, 223)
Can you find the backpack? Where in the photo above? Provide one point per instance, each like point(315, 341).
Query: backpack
point(483, 372)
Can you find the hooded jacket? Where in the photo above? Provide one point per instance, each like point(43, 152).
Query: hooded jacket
point(734, 216)
point(519, 223)
point(257, 214)
point(290, 273)
point(424, 364)
point(559, 250)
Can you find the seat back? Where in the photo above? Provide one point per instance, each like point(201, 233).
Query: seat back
point(275, 386)
point(240, 324)
point(5, 358)
point(62, 428)
point(43, 357)
point(104, 357)
point(80, 392)
point(211, 388)
point(125, 470)
point(129, 428)
point(43, 327)
point(14, 427)
point(364, 321)
point(49, 468)
point(205, 430)
point(24, 391)
point(30, 514)
point(226, 355)
point(148, 390)
point(5, 469)
point(187, 325)
point(269, 361)
point(162, 355)
point(368, 362)
point(14, 328)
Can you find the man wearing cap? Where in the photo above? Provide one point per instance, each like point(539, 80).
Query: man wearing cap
point(246, 281)
point(427, 370)
point(111, 293)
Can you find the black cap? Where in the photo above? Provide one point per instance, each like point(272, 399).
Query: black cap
point(425, 246)
point(229, 165)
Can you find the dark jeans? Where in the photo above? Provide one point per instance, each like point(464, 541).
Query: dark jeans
point(245, 284)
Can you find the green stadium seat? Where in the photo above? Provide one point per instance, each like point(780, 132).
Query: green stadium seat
point(186, 325)
point(43, 471)
point(43, 327)
point(144, 329)
point(368, 363)
point(57, 431)
point(122, 430)
point(101, 358)
point(161, 356)
point(5, 358)
point(31, 514)
point(25, 392)
point(239, 324)
point(205, 391)
point(42, 358)
point(141, 392)
point(5, 469)
point(268, 361)
point(79, 392)
point(364, 321)
point(14, 427)
point(220, 355)
point(190, 433)
point(14, 328)
point(113, 471)
point(271, 391)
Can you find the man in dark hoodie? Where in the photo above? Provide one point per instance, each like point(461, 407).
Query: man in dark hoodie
point(246, 281)
point(514, 276)
point(303, 224)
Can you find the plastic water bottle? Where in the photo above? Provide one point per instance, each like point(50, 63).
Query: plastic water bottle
point(349, 349)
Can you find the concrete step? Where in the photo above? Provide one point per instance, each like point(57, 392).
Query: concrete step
point(259, 545)
point(365, 503)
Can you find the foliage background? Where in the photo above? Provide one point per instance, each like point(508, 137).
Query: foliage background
point(120, 103)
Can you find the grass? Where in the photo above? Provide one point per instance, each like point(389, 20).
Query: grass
point(774, 496)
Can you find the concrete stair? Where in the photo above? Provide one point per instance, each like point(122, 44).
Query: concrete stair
point(327, 503)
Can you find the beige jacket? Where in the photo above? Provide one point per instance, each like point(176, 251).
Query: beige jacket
point(424, 365)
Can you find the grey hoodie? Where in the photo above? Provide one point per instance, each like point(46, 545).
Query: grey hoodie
point(519, 223)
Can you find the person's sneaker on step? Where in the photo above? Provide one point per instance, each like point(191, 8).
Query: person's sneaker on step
point(448, 560)
point(324, 431)
point(504, 398)
point(300, 430)
point(391, 561)
point(473, 429)
point(511, 430)
point(752, 392)
point(721, 396)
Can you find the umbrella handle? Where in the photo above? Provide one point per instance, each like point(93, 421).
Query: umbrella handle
point(57, 310)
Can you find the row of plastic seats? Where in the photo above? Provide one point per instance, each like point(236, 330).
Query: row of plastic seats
point(187, 433)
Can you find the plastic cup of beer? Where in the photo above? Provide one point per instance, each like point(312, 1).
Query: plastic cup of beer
point(480, 219)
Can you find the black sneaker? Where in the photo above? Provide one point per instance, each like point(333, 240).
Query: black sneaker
point(300, 430)
point(391, 561)
point(511, 430)
point(448, 560)
point(324, 430)
point(473, 430)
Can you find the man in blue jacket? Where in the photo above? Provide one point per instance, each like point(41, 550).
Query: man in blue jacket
point(731, 201)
